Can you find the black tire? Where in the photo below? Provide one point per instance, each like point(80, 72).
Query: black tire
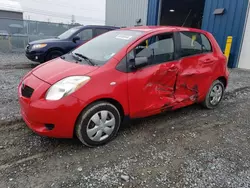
point(84, 121)
point(53, 54)
point(207, 102)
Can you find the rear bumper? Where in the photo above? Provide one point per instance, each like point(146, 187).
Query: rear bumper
point(38, 112)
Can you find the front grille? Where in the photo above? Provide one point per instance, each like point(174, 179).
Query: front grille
point(27, 91)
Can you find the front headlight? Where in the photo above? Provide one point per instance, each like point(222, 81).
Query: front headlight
point(38, 46)
point(65, 87)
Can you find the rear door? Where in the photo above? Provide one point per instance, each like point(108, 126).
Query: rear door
point(196, 65)
point(151, 88)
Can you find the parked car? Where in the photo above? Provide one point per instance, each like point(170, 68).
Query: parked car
point(4, 34)
point(127, 73)
point(47, 49)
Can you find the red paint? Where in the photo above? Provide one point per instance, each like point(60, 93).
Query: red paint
point(53, 70)
point(37, 111)
point(145, 92)
point(151, 88)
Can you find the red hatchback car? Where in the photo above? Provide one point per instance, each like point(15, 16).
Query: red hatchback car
point(131, 72)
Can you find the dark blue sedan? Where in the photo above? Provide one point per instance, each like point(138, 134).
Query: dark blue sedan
point(47, 49)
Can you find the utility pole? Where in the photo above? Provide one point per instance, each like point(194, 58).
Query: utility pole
point(73, 19)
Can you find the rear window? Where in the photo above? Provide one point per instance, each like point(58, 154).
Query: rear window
point(206, 44)
point(193, 43)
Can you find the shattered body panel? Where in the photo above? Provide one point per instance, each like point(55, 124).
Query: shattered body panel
point(172, 85)
point(153, 87)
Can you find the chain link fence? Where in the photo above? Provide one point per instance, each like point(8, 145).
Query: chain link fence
point(16, 34)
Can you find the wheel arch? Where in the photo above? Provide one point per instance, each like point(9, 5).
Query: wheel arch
point(112, 101)
point(54, 49)
point(223, 80)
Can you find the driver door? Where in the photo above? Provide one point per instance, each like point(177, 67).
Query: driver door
point(152, 87)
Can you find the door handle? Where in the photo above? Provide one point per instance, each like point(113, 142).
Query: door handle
point(173, 68)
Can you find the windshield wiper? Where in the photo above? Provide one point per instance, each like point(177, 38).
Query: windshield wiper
point(85, 57)
point(76, 58)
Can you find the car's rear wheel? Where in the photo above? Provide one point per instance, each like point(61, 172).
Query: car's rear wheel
point(215, 95)
point(53, 54)
point(98, 124)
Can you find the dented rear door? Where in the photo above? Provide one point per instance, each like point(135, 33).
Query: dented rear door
point(196, 60)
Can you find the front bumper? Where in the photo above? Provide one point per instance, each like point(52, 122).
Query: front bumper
point(36, 56)
point(38, 112)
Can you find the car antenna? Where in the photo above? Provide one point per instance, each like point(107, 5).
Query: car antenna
point(186, 18)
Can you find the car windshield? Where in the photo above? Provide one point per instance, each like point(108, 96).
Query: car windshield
point(68, 33)
point(105, 46)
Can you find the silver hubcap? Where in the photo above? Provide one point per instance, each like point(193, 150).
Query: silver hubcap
point(216, 94)
point(101, 125)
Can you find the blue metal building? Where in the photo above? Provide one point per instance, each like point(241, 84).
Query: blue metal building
point(230, 22)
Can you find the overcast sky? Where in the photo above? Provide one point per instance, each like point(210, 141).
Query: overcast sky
point(83, 11)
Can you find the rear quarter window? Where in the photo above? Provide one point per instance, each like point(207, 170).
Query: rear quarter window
point(206, 44)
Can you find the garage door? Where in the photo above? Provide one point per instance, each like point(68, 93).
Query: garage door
point(231, 23)
point(244, 61)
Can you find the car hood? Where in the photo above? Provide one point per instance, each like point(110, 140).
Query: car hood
point(45, 41)
point(57, 69)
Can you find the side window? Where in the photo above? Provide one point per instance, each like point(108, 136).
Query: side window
point(191, 43)
point(158, 49)
point(86, 34)
point(206, 45)
point(100, 31)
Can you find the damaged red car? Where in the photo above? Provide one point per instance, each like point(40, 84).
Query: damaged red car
point(131, 72)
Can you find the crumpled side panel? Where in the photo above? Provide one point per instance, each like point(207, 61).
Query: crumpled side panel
point(160, 88)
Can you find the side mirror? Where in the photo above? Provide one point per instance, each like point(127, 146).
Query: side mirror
point(140, 62)
point(76, 38)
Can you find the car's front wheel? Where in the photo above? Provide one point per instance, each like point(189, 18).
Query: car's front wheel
point(53, 54)
point(98, 124)
point(214, 95)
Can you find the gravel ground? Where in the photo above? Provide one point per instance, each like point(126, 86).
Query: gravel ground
point(15, 60)
point(190, 147)
point(9, 80)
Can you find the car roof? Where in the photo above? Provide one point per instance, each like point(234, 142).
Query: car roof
point(95, 26)
point(151, 29)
